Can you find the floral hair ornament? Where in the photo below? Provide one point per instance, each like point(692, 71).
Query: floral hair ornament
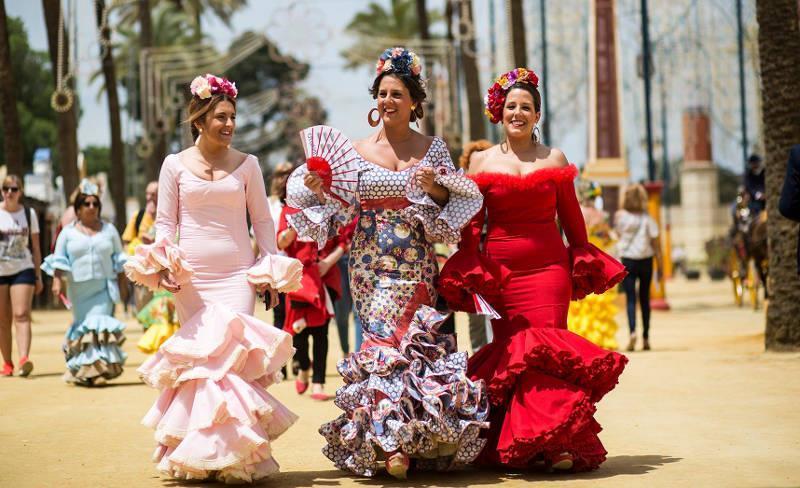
point(204, 86)
point(88, 188)
point(496, 95)
point(398, 60)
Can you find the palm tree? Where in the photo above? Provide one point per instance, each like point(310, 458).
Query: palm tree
point(12, 135)
point(117, 173)
point(68, 120)
point(195, 9)
point(779, 50)
point(399, 22)
point(517, 26)
point(472, 82)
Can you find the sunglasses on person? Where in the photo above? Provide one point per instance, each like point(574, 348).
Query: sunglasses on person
point(90, 203)
point(10, 189)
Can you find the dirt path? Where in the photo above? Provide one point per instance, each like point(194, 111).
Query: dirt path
point(707, 407)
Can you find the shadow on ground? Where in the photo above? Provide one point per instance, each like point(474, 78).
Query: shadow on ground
point(614, 466)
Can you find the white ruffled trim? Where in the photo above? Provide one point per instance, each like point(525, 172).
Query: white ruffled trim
point(282, 273)
point(144, 266)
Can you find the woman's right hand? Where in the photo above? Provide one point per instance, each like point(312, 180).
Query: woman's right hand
point(168, 282)
point(313, 182)
point(56, 288)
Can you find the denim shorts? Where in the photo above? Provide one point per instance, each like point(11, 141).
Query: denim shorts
point(24, 277)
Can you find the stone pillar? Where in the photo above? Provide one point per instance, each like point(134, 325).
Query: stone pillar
point(606, 164)
point(699, 183)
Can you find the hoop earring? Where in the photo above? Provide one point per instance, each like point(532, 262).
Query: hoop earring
point(536, 135)
point(373, 122)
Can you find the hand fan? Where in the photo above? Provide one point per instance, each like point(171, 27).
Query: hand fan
point(330, 154)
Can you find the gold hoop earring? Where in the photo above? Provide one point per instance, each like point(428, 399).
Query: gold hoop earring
point(373, 122)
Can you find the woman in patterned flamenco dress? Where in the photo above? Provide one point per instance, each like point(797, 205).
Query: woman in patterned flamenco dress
point(214, 418)
point(593, 316)
point(543, 381)
point(406, 397)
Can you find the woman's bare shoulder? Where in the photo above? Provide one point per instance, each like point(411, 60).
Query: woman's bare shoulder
point(478, 159)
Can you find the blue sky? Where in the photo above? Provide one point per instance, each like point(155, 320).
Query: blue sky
point(692, 78)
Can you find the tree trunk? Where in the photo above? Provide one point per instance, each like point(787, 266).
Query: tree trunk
point(152, 166)
point(12, 135)
point(422, 20)
point(116, 178)
point(67, 121)
point(471, 80)
point(779, 48)
point(516, 24)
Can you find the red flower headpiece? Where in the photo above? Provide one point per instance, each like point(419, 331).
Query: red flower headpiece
point(496, 95)
point(204, 86)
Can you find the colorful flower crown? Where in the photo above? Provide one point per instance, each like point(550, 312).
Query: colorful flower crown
point(204, 86)
point(496, 95)
point(399, 60)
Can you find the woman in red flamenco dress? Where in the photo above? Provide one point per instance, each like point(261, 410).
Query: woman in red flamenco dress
point(543, 381)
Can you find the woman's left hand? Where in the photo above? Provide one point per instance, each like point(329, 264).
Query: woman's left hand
point(426, 179)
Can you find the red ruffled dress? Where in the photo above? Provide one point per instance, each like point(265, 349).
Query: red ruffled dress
point(309, 301)
point(543, 380)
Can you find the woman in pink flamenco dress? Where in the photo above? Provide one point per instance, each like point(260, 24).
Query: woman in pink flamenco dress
point(214, 418)
point(543, 381)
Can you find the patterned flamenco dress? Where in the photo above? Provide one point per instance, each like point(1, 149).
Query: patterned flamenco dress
point(594, 316)
point(406, 390)
point(543, 380)
point(214, 417)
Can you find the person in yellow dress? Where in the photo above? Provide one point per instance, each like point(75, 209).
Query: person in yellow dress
point(593, 317)
point(156, 312)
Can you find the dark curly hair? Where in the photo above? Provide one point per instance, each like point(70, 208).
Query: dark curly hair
point(415, 86)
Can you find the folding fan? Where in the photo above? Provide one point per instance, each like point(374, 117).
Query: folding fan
point(330, 154)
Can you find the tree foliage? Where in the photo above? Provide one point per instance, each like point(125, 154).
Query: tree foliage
point(34, 86)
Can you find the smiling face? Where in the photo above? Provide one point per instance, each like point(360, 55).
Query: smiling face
point(519, 113)
point(394, 101)
point(219, 123)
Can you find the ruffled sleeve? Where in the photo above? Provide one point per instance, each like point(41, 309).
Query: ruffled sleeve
point(315, 220)
point(444, 224)
point(59, 259)
point(593, 271)
point(470, 280)
point(148, 260)
point(281, 273)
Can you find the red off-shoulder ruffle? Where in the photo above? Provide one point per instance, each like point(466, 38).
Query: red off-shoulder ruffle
point(593, 271)
point(467, 273)
point(528, 181)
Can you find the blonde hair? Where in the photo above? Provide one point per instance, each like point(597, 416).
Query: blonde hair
point(12, 178)
point(635, 199)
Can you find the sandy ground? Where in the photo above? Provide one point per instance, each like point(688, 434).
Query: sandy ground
point(707, 407)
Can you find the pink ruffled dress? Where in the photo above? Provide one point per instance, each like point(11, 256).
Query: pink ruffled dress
point(214, 417)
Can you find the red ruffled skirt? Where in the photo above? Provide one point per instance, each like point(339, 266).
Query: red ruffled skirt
point(543, 381)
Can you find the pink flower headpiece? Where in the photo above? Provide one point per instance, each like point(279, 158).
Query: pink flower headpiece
point(204, 86)
point(496, 95)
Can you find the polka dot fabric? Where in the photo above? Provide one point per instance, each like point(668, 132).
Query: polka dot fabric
point(407, 388)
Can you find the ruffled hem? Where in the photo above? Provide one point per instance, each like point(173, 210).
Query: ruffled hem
point(467, 273)
point(92, 348)
point(52, 263)
point(282, 273)
point(415, 398)
point(593, 271)
point(214, 418)
point(144, 266)
point(555, 352)
point(444, 224)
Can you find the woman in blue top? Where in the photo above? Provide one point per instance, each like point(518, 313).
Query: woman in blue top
point(89, 255)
